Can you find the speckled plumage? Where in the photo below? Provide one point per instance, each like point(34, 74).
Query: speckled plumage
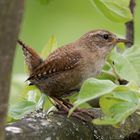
point(68, 67)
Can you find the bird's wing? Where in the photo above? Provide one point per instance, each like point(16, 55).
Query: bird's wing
point(62, 59)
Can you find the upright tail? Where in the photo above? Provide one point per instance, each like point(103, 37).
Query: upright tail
point(32, 59)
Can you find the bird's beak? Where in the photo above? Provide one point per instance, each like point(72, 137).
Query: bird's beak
point(119, 40)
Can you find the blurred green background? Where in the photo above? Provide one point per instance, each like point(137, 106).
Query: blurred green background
point(66, 20)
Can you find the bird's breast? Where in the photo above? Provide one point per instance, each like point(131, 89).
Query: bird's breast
point(92, 68)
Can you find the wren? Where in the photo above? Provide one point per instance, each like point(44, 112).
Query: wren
point(65, 69)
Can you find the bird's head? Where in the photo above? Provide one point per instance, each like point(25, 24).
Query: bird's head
point(101, 40)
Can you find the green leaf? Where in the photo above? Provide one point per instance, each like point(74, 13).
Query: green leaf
point(20, 109)
point(133, 86)
point(124, 93)
point(107, 65)
point(49, 47)
point(91, 89)
point(104, 121)
point(118, 105)
point(31, 96)
point(106, 75)
point(114, 10)
point(129, 66)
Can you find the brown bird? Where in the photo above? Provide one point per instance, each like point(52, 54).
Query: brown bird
point(65, 69)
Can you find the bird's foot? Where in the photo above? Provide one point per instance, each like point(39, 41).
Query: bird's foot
point(64, 106)
point(82, 116)
point(86, 112)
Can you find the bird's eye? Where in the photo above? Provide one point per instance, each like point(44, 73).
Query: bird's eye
point(105, 36)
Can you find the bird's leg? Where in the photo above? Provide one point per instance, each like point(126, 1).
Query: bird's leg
point(78, 110)
point(41, 102)
point(65, 106)
point(64, 109)
point(86, 112)
point(66, 103)
point(60, 105)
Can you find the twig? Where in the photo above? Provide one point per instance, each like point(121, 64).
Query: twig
point(130, 25)
point(120, 80)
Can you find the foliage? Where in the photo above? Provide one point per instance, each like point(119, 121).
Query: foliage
point(117, 11)
point(118, 105)
point(129, 66)
point(116, 101)
point(91, 89)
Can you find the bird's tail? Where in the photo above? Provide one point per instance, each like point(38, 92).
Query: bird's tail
point(32, 59)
